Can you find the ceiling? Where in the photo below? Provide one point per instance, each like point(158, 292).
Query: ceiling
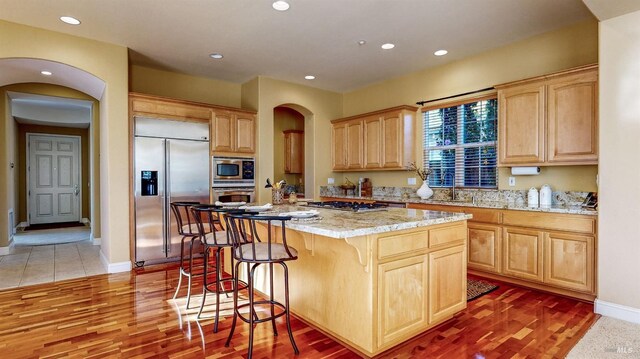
point(314, 37)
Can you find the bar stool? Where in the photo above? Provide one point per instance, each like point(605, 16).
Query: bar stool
point(187, 228)
point(255, 249)
point(214, 239)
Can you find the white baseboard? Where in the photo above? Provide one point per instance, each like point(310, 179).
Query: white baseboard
point(95, 241)
point(6, 250)
point(617, 311)
point(114, 267)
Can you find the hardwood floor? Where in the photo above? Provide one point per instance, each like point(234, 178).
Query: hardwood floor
point(131, 315)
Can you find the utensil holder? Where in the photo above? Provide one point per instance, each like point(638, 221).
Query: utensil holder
point(277, 196)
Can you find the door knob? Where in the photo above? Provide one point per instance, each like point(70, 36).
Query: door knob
point(76, 190)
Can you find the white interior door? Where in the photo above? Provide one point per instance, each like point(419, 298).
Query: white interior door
point(54, 178)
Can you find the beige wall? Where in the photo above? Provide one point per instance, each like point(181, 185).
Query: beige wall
point(565, 48)
point(284, 119)
point(184, 87)
point(619, 196)
point(318, 107)
point(110, 64)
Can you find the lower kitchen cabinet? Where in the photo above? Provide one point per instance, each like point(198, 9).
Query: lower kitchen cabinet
point(485, 242)
point(522, 250)
point(448, 285)
point(402, 297)
point(569, 261)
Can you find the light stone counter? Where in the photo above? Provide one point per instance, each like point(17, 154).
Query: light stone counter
point(346, 224)
point(575, 209)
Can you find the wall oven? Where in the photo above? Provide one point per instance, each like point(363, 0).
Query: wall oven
point(233, 171)
point(240, 194)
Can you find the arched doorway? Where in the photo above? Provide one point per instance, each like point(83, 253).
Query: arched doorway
point(64, 83)
point(293, 143)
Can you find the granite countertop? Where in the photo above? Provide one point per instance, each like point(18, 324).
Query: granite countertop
point(345, 224)
point(576, 209)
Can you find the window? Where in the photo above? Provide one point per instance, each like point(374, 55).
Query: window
point(460, 144)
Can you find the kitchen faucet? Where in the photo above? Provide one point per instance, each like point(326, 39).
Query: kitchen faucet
point(453, 183)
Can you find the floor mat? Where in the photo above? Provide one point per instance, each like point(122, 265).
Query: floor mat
point(36, 227)
point(477, 288)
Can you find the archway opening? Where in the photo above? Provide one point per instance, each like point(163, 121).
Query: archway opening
point(293, 148)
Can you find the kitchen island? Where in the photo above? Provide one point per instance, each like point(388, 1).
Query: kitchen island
point(373, 280)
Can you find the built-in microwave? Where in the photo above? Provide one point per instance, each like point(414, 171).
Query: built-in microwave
point(233, 171)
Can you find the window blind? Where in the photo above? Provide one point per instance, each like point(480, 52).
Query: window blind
point(460, 144)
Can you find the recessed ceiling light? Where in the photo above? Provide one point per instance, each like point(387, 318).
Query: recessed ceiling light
point(70, 20)
point(46, 73)
point(441, 52)
point(362, 42)
point(310, 77)
point(388, 46)
point(281, 5)
point(216, 56)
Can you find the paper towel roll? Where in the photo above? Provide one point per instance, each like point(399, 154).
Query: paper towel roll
point(522, 171)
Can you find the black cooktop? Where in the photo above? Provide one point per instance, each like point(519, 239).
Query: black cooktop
point(349, 206)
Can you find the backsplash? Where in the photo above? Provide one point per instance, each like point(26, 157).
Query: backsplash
point(512, 197)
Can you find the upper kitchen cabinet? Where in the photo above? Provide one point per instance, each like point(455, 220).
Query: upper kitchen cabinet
point(232, 129)
point(549, 120)
point(380, 140)
point(521, 124)
point(233, 132)
point(293, 151)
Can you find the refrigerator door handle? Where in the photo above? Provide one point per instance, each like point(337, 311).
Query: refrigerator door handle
point(167, 191)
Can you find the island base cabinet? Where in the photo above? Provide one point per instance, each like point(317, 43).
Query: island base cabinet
point(447, 283)
point(402, 298)
point(484, 247)
point(569, 261)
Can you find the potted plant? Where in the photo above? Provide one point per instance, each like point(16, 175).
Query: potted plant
point(424, 192)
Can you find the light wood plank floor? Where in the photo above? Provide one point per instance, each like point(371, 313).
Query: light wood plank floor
point(131, 315)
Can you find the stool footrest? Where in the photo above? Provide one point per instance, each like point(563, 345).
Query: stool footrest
point(261, 320)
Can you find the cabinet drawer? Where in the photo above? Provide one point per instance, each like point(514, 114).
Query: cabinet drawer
point(398, 244)
point(484, 215)
point(554, 221)
point(447, 235)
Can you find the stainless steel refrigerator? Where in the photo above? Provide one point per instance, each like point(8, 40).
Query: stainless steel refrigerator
point(171, 164)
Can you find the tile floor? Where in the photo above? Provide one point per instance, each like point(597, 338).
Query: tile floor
point(28, 265)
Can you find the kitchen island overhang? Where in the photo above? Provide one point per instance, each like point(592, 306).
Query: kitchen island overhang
point(374, 280)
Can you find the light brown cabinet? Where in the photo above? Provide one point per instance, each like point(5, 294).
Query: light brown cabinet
point(380, 140)
point(549, 120)
point(569, 261)
point(293, 151)
point(485, 247)
point(549, 251)
point(233, 132)
point(339, 146)
point(372, 142)
point(447, 278)
point(401, 317)
point(354, 145)
point(522, 253)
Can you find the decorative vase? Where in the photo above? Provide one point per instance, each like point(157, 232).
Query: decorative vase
point(424, 191)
